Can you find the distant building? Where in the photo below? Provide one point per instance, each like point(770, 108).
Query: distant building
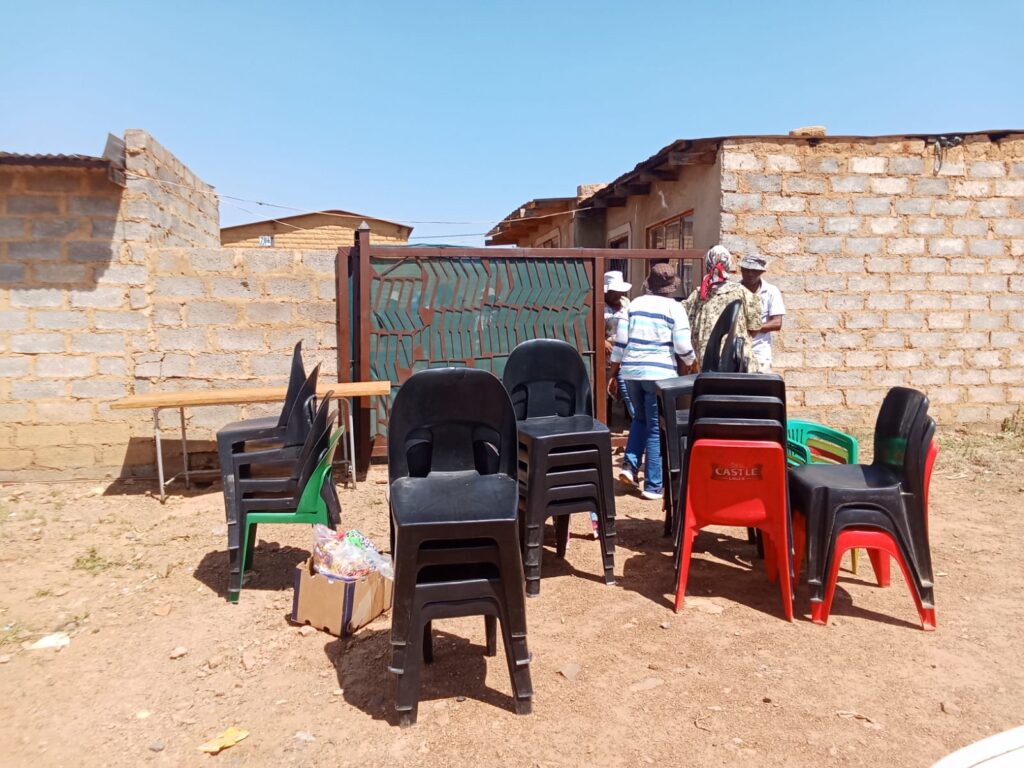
point(320, 230)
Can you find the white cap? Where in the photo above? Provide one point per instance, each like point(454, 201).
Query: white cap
point(613, 282)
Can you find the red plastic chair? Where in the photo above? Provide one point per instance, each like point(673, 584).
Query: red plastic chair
point(880, 546)
point(741, 483)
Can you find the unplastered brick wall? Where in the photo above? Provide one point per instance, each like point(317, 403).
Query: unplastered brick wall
point(68, 319)
point(894, 271)
point(224, 317)
point(108, 291)
point(165, 204)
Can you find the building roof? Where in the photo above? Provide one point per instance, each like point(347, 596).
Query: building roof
point(328, 212)
point(666, 165)
point(527, 218)
point(54, 161)
point(112, 160)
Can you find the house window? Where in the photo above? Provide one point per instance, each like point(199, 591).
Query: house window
point(549, 242)
point(266, 241)
point(677, 234)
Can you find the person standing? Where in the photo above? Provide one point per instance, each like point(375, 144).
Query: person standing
point(615, 307)
point(656, 330)
point(716, 292)
point(752, 269)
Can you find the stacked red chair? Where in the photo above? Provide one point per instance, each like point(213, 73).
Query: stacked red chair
point(881, 507)
point(734, 470)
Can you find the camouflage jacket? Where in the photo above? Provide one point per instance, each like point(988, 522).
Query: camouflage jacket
point(704, 314)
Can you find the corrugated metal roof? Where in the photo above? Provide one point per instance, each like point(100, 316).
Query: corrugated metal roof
point(54, 161)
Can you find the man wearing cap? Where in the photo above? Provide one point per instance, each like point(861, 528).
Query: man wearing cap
point(752, 268)
point(655, 331)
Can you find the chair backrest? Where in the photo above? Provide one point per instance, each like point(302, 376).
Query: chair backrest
point(295, 381)
point(303, 410)
point(745, 384)
point(675, 392)
point(738, 429)
point(318, 485)
point(738, 407)
point(734, 357)
point(902, 410)
point(722, 336)
point(450, 420)
point(316, 441)
point(547, 377)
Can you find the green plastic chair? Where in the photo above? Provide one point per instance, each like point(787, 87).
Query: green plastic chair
point(824, 445)
point(819, 444)
point(312, 507)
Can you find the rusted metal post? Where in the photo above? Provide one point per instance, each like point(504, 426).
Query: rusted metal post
point(600, 358)
point(343, 335)
point(361, 316)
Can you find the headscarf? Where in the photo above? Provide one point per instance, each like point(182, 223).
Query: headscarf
point(718, 264)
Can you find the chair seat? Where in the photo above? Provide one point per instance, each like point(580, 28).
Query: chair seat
point(451, 498)
point(846, 477)
point(237, 430)
point(559, 426)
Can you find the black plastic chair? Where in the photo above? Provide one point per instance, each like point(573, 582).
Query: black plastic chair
point(731, 396)
point(565, 454)
point(283, 475)
point(888, 495)
point(674, 397)
point(452, 470)
point(720, 344)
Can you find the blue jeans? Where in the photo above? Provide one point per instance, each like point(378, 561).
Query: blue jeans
point(644, 443)
point(624, 393)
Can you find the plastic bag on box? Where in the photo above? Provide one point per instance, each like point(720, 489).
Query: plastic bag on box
point(349, 556)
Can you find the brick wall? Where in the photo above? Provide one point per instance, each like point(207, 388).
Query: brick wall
point(108, 291)
point(892, 273)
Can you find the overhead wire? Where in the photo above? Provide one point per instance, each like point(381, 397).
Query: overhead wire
point(283, 207)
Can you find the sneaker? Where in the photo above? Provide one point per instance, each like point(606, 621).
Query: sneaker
point(627, 476)
point(653, 495)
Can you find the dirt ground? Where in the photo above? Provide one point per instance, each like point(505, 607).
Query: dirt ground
point(726, 682)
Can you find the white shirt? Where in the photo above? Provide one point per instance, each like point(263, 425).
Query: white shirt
point(771, 306)
point(655, 331)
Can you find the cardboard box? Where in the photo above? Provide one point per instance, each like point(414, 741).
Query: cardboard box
point(336, 606)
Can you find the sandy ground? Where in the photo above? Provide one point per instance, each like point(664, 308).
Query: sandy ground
point(726, 682)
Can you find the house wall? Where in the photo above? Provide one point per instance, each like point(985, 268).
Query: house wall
point(893, 273)
point(316, 231)
point(108, 291)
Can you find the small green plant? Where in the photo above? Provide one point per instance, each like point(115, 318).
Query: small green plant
point(92, 562)
point(43, 592)
point(11, 633)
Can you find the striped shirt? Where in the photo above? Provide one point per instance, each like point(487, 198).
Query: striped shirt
point(656, 330)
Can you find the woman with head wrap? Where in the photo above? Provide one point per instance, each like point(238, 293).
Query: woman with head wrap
point(715, 293)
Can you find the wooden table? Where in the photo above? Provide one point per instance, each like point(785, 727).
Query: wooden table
point(158, 401)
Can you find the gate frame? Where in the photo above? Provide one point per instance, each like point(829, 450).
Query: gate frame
point(353, 263)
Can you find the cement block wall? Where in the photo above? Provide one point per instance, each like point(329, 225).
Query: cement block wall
point(107, 291)
point(893, 272)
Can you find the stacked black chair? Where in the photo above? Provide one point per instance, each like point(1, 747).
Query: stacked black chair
point(888, 496)
point(754, 403)
point(742, 412)
point(452, 468)
point(281, 492)
point(724, 352)
point(285, 434)
point(565, 454)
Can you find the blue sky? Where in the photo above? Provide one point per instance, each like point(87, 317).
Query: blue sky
point(460, 111)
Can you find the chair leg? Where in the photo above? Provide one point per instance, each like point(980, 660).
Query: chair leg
point(250, 548)
point(777, 547)
point(799, 542)
point(821, 610)
point(428, 643)
point(491, 632)
point(561, 535)
point(408, 693)
point(880, 565)
point(688, 534)
point(518, 671)
point(532, 555)
point(606, 514)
